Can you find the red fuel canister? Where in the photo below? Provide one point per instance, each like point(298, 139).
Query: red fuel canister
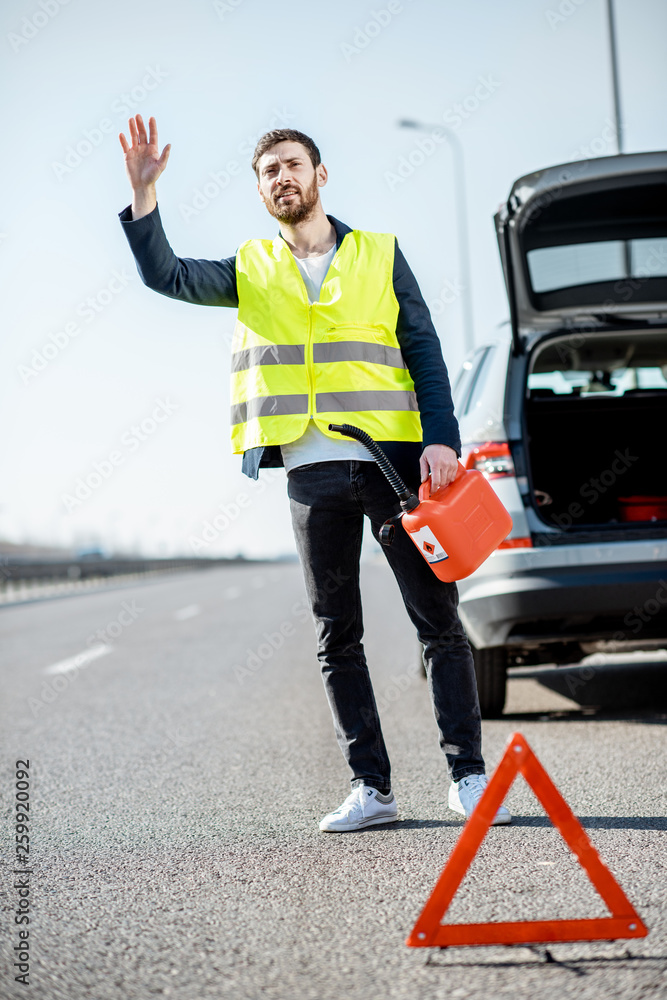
point(456, 529)
point(459, 526)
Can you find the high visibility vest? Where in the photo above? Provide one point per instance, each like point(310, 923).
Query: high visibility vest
point(337, 360)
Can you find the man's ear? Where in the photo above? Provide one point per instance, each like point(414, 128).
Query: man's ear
point(322, 175)
point(261, 193)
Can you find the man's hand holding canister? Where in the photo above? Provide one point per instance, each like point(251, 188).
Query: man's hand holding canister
point(440, 462)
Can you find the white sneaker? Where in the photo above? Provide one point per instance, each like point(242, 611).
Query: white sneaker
point(466, 793)
point(364, 806)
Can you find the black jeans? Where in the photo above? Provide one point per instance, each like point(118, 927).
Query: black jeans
point(328, 501)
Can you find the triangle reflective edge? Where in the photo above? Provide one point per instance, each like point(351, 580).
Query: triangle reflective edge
point(519, 758)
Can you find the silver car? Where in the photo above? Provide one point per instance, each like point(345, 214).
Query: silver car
point(565, 412)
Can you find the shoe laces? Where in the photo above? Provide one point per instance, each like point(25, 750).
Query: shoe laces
point(353, 806)
point(476, 785)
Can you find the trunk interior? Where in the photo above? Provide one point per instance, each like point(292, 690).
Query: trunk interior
point(598, 459)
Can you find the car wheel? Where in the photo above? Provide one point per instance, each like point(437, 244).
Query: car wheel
point(491, 673)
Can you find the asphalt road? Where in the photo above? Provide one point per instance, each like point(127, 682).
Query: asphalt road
point(179, 766)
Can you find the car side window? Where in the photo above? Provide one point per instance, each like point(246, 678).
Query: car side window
point(476, 381)
point(461, 381)
point(465, 380)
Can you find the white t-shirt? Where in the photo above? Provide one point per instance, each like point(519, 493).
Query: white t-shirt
point(313, 445)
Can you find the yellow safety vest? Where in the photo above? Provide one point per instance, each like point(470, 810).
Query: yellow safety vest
point(338, 359)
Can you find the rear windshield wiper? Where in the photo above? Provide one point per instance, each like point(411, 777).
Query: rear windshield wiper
point(615, 320)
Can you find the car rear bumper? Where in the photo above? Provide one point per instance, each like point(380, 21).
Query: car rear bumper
point(526, 606)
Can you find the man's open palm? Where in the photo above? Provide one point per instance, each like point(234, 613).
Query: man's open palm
point(143, 161)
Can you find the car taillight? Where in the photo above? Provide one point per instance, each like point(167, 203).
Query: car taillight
point(493, 459)
point(516, 543)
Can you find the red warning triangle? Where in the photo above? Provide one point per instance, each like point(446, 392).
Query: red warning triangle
point(520, 759)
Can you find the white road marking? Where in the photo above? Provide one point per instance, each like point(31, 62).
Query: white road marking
point(189, 612)
point(80, 660)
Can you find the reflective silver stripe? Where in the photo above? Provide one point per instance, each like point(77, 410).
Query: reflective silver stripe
point(383, 399)
point(355, 350)
point(269, 406)
point(269, 354)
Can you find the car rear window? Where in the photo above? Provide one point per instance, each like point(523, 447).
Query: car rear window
point(591, 383)
point(599, 362)
point(555, 267)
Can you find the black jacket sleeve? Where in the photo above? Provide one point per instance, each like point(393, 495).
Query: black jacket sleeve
point(203, 282)
point(422, 351)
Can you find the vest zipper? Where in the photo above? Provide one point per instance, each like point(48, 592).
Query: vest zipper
point(310, 362)
point(308, 353)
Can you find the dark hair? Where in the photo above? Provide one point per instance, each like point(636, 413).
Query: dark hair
point(270, 139)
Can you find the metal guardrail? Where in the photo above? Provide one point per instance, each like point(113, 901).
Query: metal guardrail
point(15, 569)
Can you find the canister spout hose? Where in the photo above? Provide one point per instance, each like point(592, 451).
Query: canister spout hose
point(408, 499)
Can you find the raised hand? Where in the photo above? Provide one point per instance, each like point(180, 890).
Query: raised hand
point(143, 163)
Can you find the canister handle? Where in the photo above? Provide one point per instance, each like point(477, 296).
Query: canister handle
point(425, 488)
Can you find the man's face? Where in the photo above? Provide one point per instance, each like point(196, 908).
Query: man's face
point(288, 183)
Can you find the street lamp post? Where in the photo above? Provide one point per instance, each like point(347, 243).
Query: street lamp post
point(613, 59)
point(461, 222)
point(616, 93)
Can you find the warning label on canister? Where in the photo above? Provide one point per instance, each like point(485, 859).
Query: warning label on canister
point(428, 544)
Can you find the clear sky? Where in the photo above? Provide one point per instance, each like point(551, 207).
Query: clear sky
point(95, 365)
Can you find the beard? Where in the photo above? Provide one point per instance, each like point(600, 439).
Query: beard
point(299, 209)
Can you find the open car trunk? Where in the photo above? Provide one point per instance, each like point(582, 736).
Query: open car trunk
point(595, 430)
point(585, 240)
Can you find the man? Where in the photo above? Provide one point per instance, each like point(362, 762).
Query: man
point(332, 327)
